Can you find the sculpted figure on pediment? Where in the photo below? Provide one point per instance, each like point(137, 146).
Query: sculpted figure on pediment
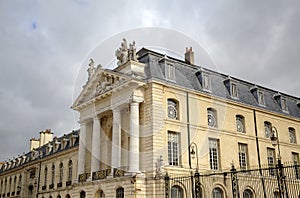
point(91, 69)
point(125, 54)
point(107, 82)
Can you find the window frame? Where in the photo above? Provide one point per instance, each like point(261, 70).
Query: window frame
point(214, 153)
point(211, 112)
point(173, 103)
point(271, 159)
point(120, 192)
point(292, 135)
point(61, 172)
point(176, 191)
point(267, 125)
point(173, 148)
point(243, 156)
point(261, 98)
point(241, 119)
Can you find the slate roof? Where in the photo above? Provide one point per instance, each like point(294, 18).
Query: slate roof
point(187, 76)
point(34, 155)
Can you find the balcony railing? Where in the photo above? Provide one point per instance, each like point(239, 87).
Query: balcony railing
point(119, 172)
point(102, 174)
point(83, 177)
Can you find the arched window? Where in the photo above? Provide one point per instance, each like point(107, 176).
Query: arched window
point(268, 129)
point(53, 174)
point(173, 109)
point(68, 196)
point(176, 192)
point(212, 117)
point(58, 196)
point(292, 135)
point(217, 193)
point(61, 172)
point(20, 180)
point(99, 194)
point(120, 192)
point(240, 123)
point(15, 183)
point(70, 170)
point(247, 194)
point(82, 194)
point(45, 176)
point(30, 191)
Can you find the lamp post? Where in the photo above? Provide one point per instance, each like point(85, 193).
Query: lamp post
point(194, 154)
point(280, 175)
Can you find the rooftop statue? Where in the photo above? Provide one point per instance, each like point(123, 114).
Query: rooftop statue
point(125, 54)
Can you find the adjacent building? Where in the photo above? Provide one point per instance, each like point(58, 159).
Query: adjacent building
point(155, 115)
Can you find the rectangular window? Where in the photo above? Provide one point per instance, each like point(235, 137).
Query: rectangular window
point(283, 105)
point(170, 72)
point(173, 148)
point(271, 160)
point(205, 82)
point(243, 156)
point(292, 135)
point(261, 98)
point(214, 154)
point(296, 162)
point(234, 92)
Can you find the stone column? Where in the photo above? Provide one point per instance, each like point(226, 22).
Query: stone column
point(82, 149)
point(95, 164)
point(134, 160)
point(116, 139)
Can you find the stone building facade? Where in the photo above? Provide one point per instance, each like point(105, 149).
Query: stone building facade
point(155, 115)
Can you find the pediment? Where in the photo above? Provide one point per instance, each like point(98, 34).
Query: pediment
point(101, 84)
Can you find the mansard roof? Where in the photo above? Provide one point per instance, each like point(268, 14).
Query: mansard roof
point(189, 77)
point(57, 145)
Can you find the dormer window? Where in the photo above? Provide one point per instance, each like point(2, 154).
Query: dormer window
point(170, 71)
point(259, 95)
point(231, 86)
point(261, 98)
point(204, 79)
point(49, 148)
point(65, 141)
point(73, 139)
point(281, 101)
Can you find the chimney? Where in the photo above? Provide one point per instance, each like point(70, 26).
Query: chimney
point(45, 136)
point(189, 56)
point(34, 143)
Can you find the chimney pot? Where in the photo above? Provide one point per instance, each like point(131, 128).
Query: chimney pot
point(189, 56)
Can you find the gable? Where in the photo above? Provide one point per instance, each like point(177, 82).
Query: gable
point(101, 84)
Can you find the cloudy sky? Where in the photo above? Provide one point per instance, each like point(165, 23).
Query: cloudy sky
point(44, 44)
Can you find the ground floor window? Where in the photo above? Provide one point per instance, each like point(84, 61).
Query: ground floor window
point(120, 192)
point(217, 193)
point(176, 192)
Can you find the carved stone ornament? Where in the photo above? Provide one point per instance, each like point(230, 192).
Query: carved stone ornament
point(91, 69)
point(125, 54)
point(106, 83)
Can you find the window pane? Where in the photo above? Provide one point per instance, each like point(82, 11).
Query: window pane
point(213, 154)
point(173, 148)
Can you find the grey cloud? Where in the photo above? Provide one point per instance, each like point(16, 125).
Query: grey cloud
point(43, 44)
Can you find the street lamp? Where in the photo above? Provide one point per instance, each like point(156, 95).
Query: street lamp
point(194, 152)
point(281, 177)
point(196, 192)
